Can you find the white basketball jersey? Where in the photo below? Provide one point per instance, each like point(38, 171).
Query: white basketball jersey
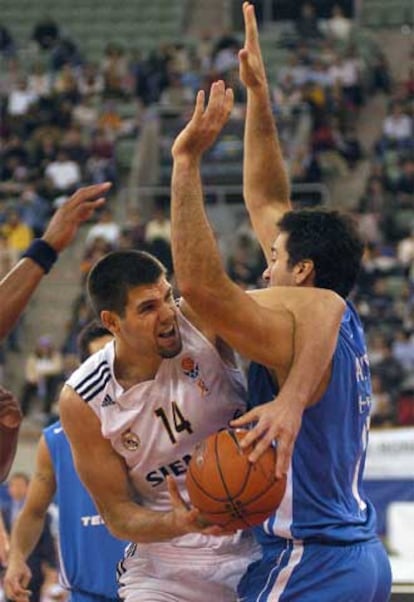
point(155, 424)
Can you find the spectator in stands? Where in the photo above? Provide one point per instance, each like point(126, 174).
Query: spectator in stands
point(110, 121)
point(114, 70)
point(397, 127)
point(243, 264)
point(46, 33)
point(106, 229)
point(136, 227)
point(158, 226)
point(21, 98)
point(39, 81)
point(85, 114)
point(90, 82)
point(287, 96)
point(43, 374)
point(404, 186)
point(19, 235)
point(389, 369)
point(403, 350)
point(64, 174)
point(224, 54)
point(382, 407)
point(307, 26)
point(72, 143)
point(405, 251)
point(45, 151)
point(65, 52)
point(65, 84)
point(380, 73)
point(339, 26)
point(176, 96)
point(7, 47)
point(43, 557)
point(34, 209)
point(304, 166)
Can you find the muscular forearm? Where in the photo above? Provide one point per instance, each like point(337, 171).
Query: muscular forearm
point(15, 292)
point(26, 532)
point(265, 178)
point(8, 444)
point(134, 523)
point(193, 243)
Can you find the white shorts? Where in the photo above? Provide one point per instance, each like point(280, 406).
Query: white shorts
point(168, 573)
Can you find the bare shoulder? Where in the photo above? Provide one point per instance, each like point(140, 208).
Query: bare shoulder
point(77, 418)
point(279, 297)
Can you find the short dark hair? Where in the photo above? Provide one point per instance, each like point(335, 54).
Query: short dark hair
point(89, 333)
point(116, 273)
point(331, 240)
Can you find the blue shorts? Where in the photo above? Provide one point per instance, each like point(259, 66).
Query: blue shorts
point(77, 596)
point(293, 571)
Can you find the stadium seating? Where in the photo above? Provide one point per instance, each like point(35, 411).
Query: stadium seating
point(132, 23)
point(387, 13)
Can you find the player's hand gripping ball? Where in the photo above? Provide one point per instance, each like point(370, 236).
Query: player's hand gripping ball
point(229, 490)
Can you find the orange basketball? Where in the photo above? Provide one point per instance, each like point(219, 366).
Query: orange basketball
point(228, 489)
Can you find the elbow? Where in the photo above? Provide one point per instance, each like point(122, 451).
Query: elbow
point(115, 523)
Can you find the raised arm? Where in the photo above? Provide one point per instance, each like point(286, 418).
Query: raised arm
point(19, 284)
point(28, 526)
point(110, 487)
point(265, 178)
point(290, 329)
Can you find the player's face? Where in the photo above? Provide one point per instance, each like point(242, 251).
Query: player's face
point(149, 325)
point(278, 272)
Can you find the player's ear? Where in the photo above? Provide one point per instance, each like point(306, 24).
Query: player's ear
point(110, 320)
point(304, 271)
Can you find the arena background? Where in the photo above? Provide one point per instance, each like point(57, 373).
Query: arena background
point(97, 90)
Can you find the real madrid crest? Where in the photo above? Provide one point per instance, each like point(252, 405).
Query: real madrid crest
point(130, 440)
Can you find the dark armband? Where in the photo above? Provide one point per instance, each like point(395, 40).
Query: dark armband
point(41, 253)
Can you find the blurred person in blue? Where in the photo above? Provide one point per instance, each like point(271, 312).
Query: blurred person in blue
point(42, 555)
point(88, 552)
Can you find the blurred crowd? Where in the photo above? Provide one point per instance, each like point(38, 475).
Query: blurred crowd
point(62, 117)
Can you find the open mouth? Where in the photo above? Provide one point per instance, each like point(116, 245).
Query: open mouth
point(167, 334)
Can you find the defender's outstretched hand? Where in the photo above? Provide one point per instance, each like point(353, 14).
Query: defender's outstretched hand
point(251, 67)
point(279, 421)
point(206, 123)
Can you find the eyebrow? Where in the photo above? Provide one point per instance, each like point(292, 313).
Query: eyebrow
point(150, 300)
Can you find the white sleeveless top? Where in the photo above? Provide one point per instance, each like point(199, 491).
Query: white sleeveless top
point(155, 424)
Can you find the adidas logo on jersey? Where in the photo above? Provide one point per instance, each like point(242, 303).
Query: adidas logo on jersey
point(107, 401)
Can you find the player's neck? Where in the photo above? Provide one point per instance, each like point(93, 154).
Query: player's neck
point(131, 370)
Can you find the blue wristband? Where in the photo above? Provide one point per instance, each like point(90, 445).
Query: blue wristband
point(41, 253)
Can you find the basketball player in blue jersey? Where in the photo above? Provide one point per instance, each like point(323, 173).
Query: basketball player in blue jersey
point(321, 543)
point(88, 553)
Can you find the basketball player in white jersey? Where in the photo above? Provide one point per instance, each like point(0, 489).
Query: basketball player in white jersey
point(134, 411)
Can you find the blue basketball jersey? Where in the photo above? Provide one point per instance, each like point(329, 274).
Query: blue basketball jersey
point(88, 552)
point(324, 499)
